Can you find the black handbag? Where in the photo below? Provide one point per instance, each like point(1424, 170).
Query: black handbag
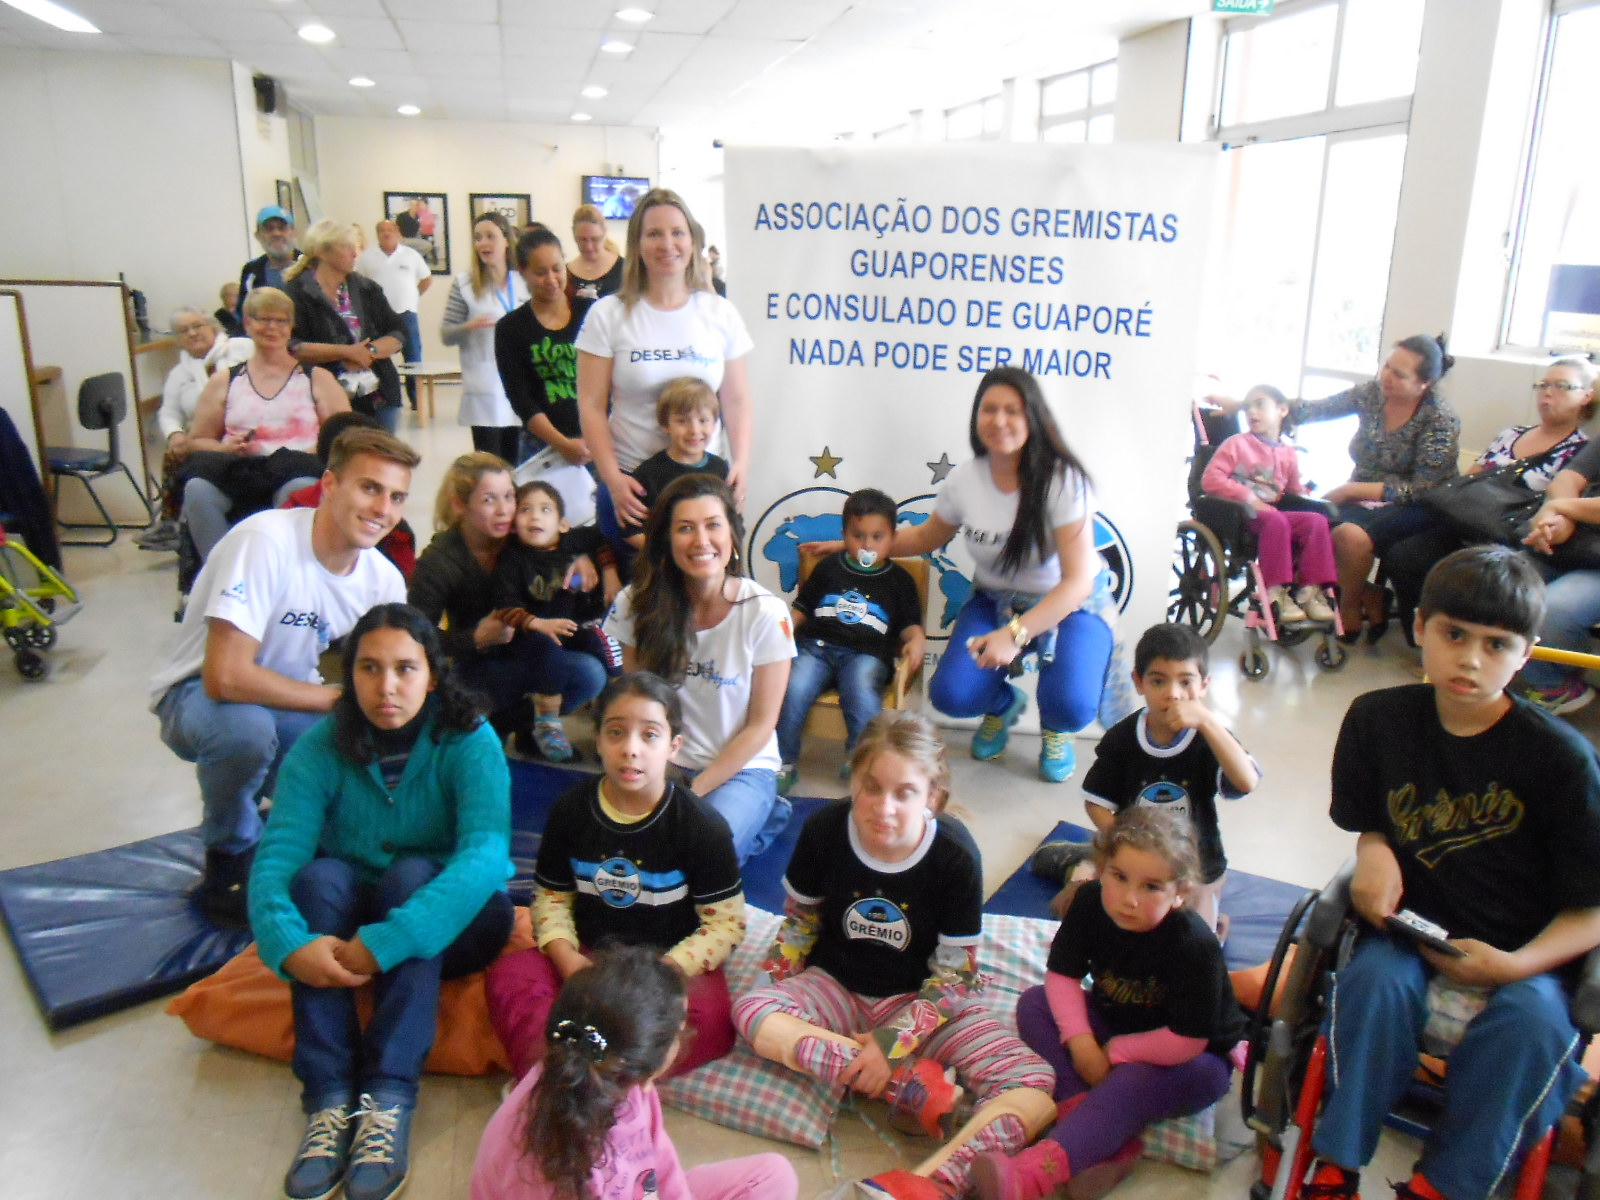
point(1497, 506)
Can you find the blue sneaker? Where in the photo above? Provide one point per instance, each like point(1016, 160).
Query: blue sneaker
point(319, 1165)
point(993, 732)
point(1058, 756)
point(381, 1158)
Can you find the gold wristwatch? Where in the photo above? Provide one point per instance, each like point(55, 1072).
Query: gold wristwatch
point(1018, 632)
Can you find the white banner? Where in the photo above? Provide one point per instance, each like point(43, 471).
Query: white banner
point(881, 283)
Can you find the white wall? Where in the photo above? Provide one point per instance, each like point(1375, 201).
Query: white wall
point(1150, 83)
point(361, 158)
point(121, 163)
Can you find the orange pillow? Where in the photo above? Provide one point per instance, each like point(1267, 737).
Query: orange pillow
point(247, 1006)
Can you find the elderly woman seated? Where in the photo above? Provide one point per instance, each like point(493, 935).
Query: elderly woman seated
point(202, 350)
point(266, 413)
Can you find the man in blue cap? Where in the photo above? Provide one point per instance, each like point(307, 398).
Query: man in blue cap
point(275, 232)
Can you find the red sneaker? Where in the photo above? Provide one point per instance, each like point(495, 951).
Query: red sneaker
point(922, 1099)
point(901, 1185)
point(1332, 1182)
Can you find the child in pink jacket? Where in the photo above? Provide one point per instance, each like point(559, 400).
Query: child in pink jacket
point(1258, 468)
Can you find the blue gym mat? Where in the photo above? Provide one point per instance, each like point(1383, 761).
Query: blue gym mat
point(102, 932)
point(1257, 907)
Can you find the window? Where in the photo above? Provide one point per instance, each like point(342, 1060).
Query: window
point(980, 119)
point(1555, 283)
point(1313, 111)
point(1080, 105)
point(896, 134)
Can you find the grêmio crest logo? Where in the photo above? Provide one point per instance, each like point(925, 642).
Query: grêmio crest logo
point(617, 881)
point(877, 920)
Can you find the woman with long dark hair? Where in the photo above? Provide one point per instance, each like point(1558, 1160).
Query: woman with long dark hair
point(385, 859)
point(1024, 509)
point(693, 618)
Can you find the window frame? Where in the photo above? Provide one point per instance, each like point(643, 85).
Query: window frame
point(1090, 109)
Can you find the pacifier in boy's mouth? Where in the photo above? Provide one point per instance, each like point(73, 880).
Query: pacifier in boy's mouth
point(864, 558)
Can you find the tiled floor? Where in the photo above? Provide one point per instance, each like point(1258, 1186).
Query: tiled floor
point(133, 1106)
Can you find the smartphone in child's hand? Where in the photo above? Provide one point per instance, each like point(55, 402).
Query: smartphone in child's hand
point(1423, 931)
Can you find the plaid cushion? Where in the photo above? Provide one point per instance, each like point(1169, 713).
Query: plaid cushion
point(744, 1091)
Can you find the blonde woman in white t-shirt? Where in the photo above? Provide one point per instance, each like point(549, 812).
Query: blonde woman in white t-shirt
point(1025, 512)
point(724, 641)
point(664, 323)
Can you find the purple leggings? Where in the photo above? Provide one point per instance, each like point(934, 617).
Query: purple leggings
point(1132, 1096)
point(1291, 539)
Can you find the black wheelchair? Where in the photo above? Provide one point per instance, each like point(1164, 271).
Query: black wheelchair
point(1215, 573)
point(1286, 1067)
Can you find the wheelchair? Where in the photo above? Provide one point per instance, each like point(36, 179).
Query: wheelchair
point(1214, 569)
point(1286, 1065)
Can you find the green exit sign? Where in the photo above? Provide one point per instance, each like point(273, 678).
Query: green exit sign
point(1258, 7)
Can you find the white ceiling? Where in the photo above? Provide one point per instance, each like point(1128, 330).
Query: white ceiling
point(741, 69)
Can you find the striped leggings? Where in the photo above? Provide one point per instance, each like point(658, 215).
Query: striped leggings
point(987, 1059)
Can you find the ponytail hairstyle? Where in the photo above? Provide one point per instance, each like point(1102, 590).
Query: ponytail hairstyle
point(1047, 462)
point(1169, 836)
point(457, 710)
point(660, 598)
point(613, 1027)
point(1435, 361)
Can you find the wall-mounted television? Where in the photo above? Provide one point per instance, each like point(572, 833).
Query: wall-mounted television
point(614, 195)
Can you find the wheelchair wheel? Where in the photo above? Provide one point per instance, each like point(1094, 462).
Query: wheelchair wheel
point(40, 637)
point(30, 664)
point(1199, 595)
point(1330, 655)
point(1254, 663)
point(1292, 635)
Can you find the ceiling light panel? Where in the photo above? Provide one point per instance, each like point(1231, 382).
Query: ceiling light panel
point(55, 15)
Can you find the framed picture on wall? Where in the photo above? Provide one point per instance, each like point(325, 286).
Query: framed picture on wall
point(286, 198)
point(516, 207)
point(424, 221)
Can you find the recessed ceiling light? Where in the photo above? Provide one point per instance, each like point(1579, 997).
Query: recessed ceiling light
point(636, 15)
point(363, 81)
point(594, 93)
point(612, 46)
point(582, 117)
point(408, 110)
point(317, 33)
point(53, 14)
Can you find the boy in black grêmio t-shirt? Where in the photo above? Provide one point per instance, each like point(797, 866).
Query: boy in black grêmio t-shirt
point(1481, 814)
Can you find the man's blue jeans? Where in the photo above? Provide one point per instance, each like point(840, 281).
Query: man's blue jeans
point(236, 749)
point(1509, 1080)
point(334, 1061)
point(411, 350)
point(859, 677)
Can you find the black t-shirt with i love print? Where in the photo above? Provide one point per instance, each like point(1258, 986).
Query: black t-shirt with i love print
point(1495, 833)
point(1172, 977)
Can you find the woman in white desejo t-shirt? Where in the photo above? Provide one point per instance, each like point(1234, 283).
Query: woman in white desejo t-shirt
point(663, 324)
point(1025, 512)
point(725, 642)
point(478, 299)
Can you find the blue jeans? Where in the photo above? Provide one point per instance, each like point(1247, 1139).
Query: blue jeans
point(548, 669)
point(1510, 1077)
point(236, 749)
point(334, 1061)
point(859, 677)
point(206, 507)
point(1572, 605)
point(755, 813)
point(1069, 686)
point(410, 350)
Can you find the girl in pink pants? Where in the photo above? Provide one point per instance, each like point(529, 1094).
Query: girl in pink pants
point(1258, 468)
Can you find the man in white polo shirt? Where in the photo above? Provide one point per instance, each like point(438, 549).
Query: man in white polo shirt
point(404, 276)
point(240, 683)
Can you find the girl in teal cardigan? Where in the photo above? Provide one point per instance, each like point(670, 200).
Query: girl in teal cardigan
point(385, 859)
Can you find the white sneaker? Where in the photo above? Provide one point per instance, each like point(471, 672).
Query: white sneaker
point(1315, 603)
point(1288, 611)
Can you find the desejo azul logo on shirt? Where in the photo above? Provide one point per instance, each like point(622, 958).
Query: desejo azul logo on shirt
point(617, 881)
point(877, 920)
point(236, 592)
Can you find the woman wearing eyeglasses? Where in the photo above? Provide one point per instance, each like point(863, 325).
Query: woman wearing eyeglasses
point(1565, 399)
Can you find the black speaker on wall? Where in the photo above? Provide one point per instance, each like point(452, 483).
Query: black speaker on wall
point(269, 95)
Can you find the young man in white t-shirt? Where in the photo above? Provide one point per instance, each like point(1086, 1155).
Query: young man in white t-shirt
point(241, 682)
point(403, 275)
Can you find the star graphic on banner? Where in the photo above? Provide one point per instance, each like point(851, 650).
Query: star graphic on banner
point(941, 468)
point(825, 463)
